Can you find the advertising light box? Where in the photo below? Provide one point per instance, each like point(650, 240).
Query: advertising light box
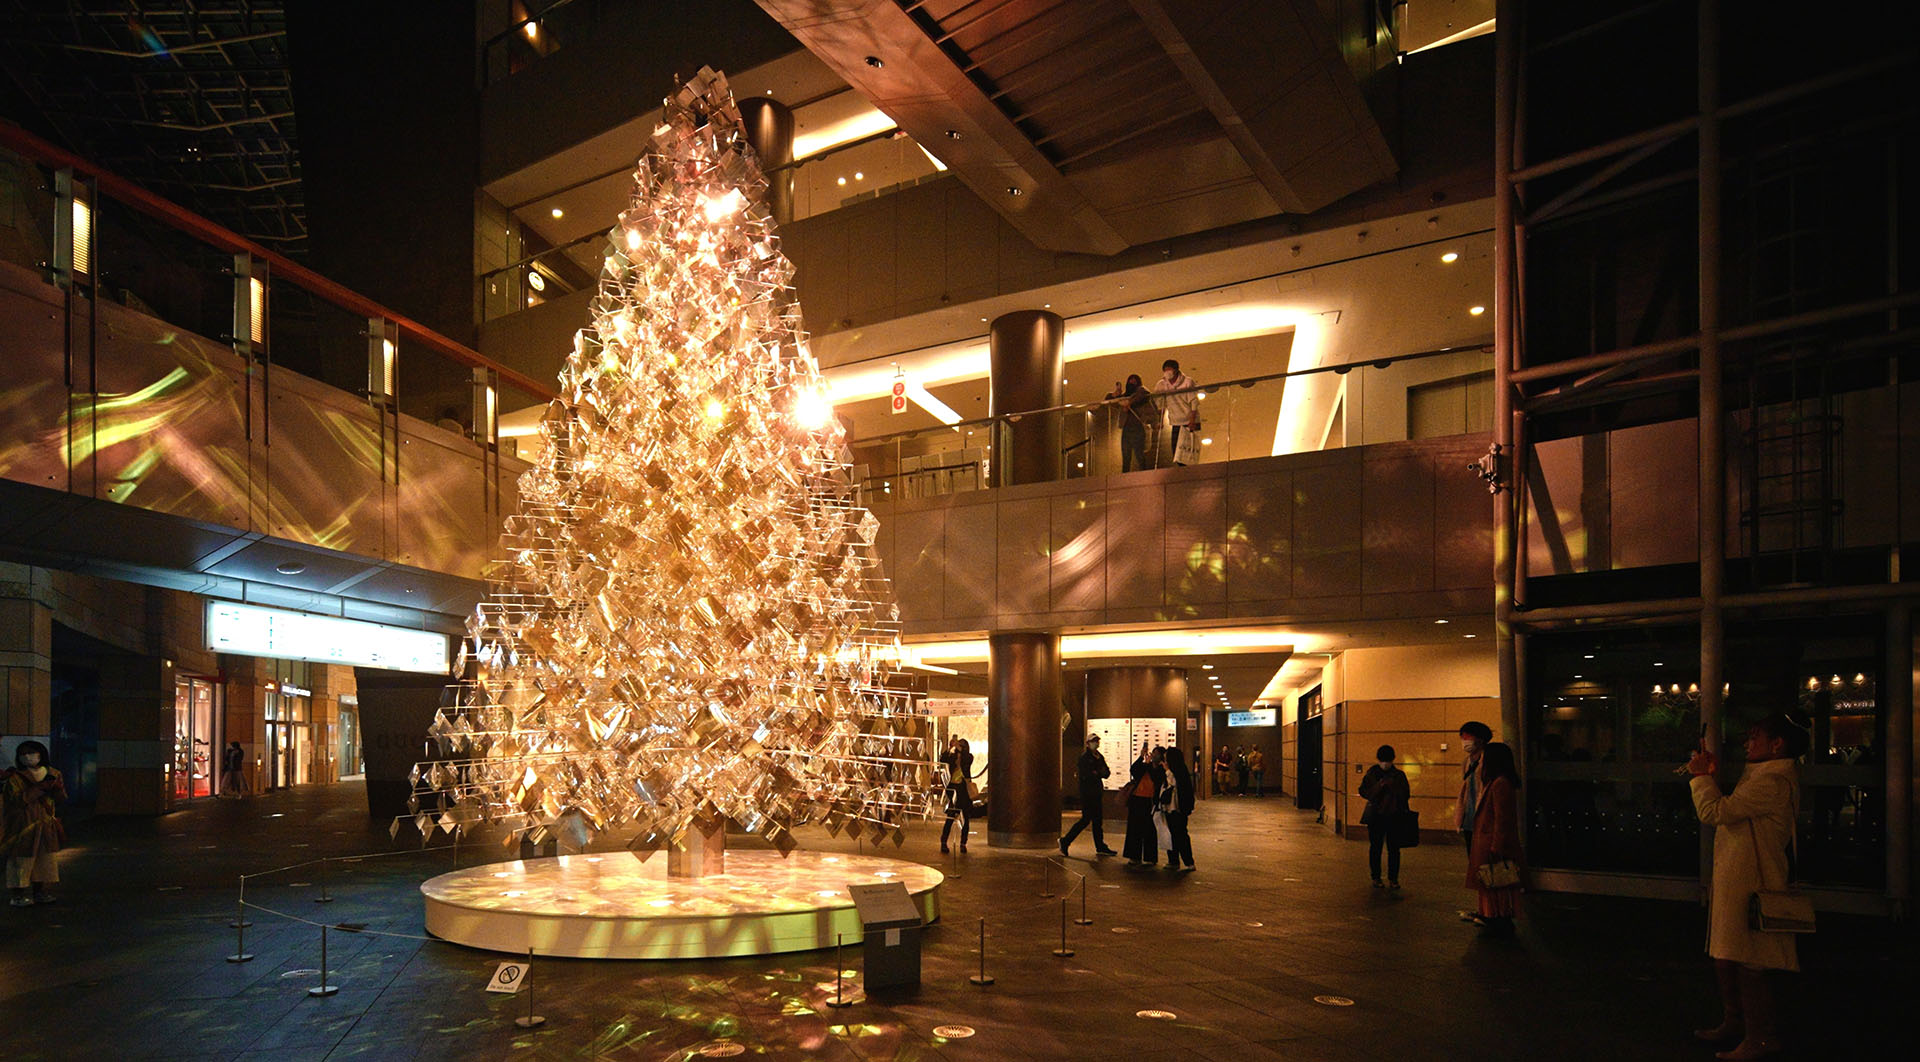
point(254, 631)
point(1257, 717)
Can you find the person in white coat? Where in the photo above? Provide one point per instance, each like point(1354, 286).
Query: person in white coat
point(1753, 831)
point(1178, 403)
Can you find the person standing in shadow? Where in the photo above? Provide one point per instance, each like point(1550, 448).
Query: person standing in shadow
point(1387, 794)
point(1093, 772)
point(1136, 411)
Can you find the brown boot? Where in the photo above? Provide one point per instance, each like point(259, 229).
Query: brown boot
point(1756, 1001)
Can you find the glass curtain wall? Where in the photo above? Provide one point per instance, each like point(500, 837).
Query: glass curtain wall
point(196, 741)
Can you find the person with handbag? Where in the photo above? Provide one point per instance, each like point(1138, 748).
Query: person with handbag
point(1387, 794)
point(1176, 804)
point(961, 792)
point(1495, 863)
point(1180, 404)
point(1753, 833)
point(1142, 846)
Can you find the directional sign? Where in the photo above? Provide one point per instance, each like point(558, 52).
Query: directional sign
point(508, 978)
point(898, 403)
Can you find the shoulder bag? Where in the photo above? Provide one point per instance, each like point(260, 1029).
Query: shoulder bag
point(1499, 874)
point(1782, 910)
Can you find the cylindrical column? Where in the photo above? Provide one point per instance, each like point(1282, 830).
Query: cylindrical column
point(768, 124)
point(1023, 740)
point(1025, 352)
point(1896, 700)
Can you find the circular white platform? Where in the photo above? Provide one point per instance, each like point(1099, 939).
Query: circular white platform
point(613, 906)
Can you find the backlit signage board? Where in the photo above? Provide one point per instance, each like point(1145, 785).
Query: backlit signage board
point(250, 630)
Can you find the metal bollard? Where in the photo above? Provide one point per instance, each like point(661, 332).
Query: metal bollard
point(1046, 879)
point(240, 924)
point(323, 897)
point(530, 1020)
point(1063, 951)
point(981, 978)
point(1083, 920)
point(838, 974)
point(323, 988)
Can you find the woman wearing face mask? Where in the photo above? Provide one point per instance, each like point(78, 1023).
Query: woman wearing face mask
point(1753, 833)
point(30, 830)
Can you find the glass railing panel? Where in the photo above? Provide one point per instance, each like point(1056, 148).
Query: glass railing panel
point(315, 338)
point(434, 388)
point(149, 267)
point(543, 277)
point(26, 212)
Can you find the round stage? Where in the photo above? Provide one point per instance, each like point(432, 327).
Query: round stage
point(612, 906)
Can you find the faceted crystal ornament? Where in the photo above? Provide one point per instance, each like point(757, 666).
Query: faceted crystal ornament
point(687, 625)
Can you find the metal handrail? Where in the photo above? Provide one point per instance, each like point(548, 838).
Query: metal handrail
point(177, 217)
point(1209, 388)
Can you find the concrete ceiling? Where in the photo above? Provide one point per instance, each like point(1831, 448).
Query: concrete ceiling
point(1094, 125)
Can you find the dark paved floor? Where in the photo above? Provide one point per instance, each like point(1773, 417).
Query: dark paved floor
point(130, 965)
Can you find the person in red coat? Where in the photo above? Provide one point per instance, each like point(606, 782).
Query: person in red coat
point(1496, 839)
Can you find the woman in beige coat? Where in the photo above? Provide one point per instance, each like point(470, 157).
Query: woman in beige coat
point(1753, 831)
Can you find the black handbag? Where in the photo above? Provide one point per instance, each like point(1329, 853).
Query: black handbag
point(1405, 829)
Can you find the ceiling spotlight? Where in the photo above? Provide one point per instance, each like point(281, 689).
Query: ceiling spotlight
point(1469, 636)
point(1450, 257)
point(953, 134)
point(558, 213)
point(858, 176)
point(876, 62)
point(1441, 622)
point(842, 182)
point(1476, 310)
point(1016, 190)
point(1206, 667)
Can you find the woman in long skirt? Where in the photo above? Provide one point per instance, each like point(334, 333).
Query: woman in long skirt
point(1496, 840)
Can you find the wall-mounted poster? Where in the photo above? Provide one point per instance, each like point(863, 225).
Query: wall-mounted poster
point(1120, 741)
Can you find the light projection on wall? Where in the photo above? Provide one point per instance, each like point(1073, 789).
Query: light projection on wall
point(688, 626)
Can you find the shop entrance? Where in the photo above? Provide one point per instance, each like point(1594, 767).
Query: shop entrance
point(196, 748)
point(350, 765)
point(289, 736)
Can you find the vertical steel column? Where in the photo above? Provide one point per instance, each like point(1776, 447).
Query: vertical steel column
point(1506, 311)
point(1713, 436)
point(1896, 700)
point(1023, 739)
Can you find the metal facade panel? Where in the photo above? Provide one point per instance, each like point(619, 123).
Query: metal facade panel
point(1397, 525)
point(1260, 536)
point(33, 392)
point(1327, 528)
point(918, 561)
point(1078, 549)
point(1136, 548)
point(1023, 577)
point(442, 502)
point(972, 552)
point(169, 422)
point(1196, 547)
point(323, 468)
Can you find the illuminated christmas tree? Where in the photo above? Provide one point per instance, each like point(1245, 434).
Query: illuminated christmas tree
point(688, 626)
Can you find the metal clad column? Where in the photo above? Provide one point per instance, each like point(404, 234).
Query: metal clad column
point(768, 124)
point(1023, 739)
point(1025, 350)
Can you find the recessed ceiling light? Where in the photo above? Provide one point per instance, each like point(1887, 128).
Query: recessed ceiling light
point(1659, 663)
point(1206, 442)
point(1441, 622)
point(1476, 310)
point(558, 213)
point(859, 176)
point(1589, 656)
point(1016, 190)
point(1469, 636)
point(1206, 667)
point(1450, 257)
point(842, 182)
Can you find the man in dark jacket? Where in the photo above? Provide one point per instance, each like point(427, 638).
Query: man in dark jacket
point(1093, 772)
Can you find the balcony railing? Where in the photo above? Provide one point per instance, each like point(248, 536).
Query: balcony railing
point(1410, 396)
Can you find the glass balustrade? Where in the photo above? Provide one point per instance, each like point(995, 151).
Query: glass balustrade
point(1426, 395)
